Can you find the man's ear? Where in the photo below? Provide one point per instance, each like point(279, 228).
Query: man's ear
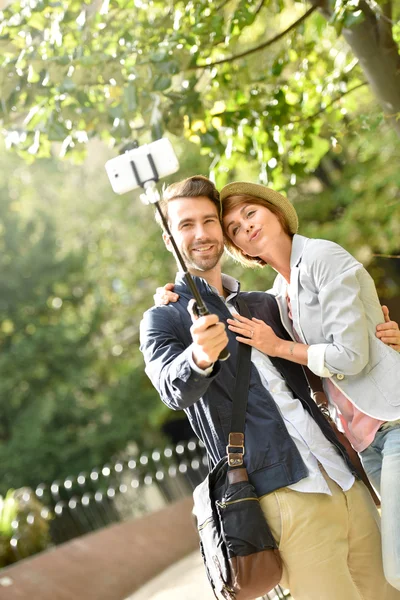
point(167, 241)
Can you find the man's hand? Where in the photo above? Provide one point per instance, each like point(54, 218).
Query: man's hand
point(209, 339)
point(388, 332)
point(165, 295)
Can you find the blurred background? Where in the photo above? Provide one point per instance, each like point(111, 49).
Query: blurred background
point(280, 92)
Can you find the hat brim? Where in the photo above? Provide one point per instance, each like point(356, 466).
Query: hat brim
point(240, 188)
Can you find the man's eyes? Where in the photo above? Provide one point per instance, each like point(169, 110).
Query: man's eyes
point(190, 224)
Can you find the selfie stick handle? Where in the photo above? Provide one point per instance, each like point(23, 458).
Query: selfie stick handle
point(152, 197)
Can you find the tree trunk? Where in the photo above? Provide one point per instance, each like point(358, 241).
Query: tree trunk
point(372, 43)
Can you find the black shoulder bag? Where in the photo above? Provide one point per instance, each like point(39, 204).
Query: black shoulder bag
point(238, 550)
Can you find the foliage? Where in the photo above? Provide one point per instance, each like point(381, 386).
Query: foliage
point(23, 519)
point(352, 198)
point(60, 384)
point(205, 70)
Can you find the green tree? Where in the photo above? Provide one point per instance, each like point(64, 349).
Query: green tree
point(240, 77)
point(62, 411)
point(33, 537)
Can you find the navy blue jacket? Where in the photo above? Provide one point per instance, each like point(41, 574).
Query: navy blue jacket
point(271, 457)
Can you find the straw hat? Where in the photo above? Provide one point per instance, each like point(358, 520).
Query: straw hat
point(240, 188)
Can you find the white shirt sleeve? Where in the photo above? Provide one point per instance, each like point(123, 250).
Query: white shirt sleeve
point(316, 360)
point(194, 367)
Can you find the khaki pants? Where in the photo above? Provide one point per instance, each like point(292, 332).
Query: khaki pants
point(330, 545)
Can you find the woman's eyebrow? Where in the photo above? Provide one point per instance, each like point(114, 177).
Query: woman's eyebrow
point(241, 211)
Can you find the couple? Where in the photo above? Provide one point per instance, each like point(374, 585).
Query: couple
point(323, 314)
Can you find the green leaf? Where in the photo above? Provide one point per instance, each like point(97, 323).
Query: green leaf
point(158, 56)
point(162, 83)
point(353, 18)
point(170, 66)
point(57, 132)
point(130, 96)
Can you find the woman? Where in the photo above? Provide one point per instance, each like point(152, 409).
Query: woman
point(330, 307)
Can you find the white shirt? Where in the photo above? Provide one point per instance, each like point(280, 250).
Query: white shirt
point(313, 446)
point(311, 443)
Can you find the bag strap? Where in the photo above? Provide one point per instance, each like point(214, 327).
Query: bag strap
point(235, 448)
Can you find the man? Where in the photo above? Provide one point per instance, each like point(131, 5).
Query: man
point(322, 517)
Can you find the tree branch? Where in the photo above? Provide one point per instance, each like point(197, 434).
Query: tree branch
point(387, 255)
point(261, 46)
point(220, 6)
point(387, 10)
point(321, 110)
point(259, 7)
point(385, 24)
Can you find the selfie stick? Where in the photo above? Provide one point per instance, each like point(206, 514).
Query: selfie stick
point(152, 196)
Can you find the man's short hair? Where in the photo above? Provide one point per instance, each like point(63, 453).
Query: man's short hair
point(192, 187)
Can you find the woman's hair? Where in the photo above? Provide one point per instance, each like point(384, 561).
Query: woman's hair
point(232, 202)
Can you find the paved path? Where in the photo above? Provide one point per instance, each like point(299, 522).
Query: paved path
point(186, 580)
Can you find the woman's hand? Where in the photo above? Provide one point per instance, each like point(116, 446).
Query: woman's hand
point(388, 332)
point(256, 333)
point(165, 295)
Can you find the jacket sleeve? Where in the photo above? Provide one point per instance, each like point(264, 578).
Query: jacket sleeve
point(168, 359)
point(336, 277)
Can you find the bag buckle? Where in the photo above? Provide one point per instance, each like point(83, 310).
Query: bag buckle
point(235, 449)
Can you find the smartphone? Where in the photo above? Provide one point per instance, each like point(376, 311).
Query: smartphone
point(147, 163)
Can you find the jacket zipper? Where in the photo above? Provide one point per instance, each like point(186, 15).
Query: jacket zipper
point(225, 504)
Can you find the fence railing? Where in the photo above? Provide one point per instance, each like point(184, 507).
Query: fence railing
point(122, 490)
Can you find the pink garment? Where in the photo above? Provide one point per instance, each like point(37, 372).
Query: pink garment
point(359, 428)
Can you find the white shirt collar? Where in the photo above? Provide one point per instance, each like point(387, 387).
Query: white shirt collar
point(298, 244)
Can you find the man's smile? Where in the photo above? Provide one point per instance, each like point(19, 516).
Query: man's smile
point(203, 249)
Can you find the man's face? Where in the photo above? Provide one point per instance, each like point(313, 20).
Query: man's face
point(195, 226)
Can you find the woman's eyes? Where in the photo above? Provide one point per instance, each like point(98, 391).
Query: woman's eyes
point(248, 216)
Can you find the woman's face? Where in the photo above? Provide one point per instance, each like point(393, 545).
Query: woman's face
point(253, 228)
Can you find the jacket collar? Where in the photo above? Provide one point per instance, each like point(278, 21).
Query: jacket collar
point(298, 244)
point(230, 284)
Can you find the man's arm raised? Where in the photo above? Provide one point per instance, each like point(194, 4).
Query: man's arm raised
point(209, 339)
point(175, 368)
